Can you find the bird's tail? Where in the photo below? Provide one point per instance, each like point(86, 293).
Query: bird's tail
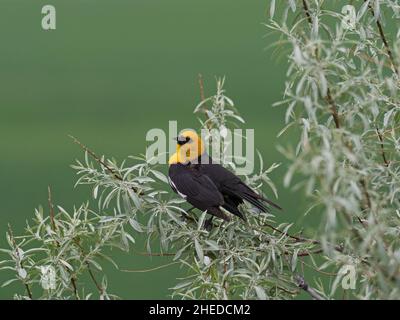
point(256, 199)
point(271, 203)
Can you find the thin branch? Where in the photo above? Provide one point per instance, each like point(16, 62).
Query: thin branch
point(92, 276)
point(384, 40)
point(298, 239)
point(306, 253)
point(75, 288)
point(95, 157)
point(51, 210)
point(203, 97)
point(333, 108)
point(331, 274)
point(54, 228)
point(101, 162)
point(382, 148)
point(157, 254)
point(98, 286)
point(307, 11)
point(366, 193)
point(201, 86)
point(335, 115)
point(332, 104)
point(152, 269)
point(302, 284)
point(11, 234)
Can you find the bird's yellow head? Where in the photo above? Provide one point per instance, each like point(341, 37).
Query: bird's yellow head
point(189, 147)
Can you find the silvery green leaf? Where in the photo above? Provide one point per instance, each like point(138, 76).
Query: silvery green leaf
point(66, 264)
point(160, 176)
point(363, 9)
point(260, 293)
point(377, 9)
point(292, 4)
point(8, 282)
point(182, 285)
point(95, 264)
point(272, 9)
point(201, 220)
point(323, 84)
point(387, 116)
point(135, 198)
point(135, 225)
point(95, 191)
point(294, 260)
point(213, 244)
point(199, 250)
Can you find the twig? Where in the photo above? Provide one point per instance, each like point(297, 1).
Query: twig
point(95, 157)
point(74, 286)
point(305, 253)
point(366, 194)
point(331, 274)
point(98, 286)
point(336, 119)
point(298, 239)
point(333, 108)
point(51, 210)
point(307, 11)
point(384, 40)
point(302, 284)
point(54, 228)
point(152, 269)
point(10, 232)
point(101, 162)
point(201, 86)
point(203, 97)
point(92, 276)
point(157, 254)
point(382, 148)
point(328, 97)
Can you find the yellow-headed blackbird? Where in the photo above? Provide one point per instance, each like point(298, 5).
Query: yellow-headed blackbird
point(208, 186)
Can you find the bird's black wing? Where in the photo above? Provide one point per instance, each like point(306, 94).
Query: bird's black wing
point(197, 188)
point(233, 187)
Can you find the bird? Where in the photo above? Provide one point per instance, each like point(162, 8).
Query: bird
point(209, 186)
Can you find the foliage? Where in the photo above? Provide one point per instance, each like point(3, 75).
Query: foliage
point(343, 94)
point(342, 98)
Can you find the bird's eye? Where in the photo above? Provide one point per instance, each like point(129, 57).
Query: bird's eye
point(183, 140)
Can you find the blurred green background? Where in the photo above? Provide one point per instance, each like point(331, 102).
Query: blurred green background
point(111, 71)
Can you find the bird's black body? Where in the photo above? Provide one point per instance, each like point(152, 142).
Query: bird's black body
point(197, 188)
point(209, 186)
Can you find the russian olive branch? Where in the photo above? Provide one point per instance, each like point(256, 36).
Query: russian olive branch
point(351, 171)
point(328, 97)
point(380, 137)
point(54, 228)
point(16, 251)
point(394, 65)
point(95, 157)
point(335, 116)
point(383, 38)
point(304, 286)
